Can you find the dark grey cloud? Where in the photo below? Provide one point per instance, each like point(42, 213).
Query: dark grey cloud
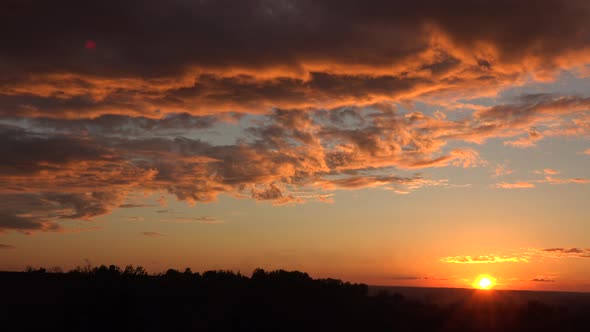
point(529, 108)
point(270, 193)
point(86, 205)
point(27, 212)
point(116, 124)
point(151, 38)
point(113, 125)
point(11, 221)
point(24, 153)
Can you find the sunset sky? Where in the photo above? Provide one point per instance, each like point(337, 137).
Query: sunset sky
point(418, 143)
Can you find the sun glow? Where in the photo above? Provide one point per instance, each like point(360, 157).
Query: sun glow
point(484, 281)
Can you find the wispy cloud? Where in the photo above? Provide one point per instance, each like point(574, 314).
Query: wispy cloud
point(562, 252)
point(198, 220)
point(520, 256)
point(133, 206)
point(553, 180)
point(411, 277)
point(546, 171)
point(547, 178)
point(501, 170)
point(524, 142)
point(79, 229)
point(402, 277)
point(515, 185)
point(152, 234)
point(545, 278)
point(485, 259)
point(208, 220)
point(542, 280)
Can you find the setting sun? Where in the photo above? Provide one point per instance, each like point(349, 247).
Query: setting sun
point(484, 281)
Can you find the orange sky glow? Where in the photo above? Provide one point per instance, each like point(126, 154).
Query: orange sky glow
point(423, 143)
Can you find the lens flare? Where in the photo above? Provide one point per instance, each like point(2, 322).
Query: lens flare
point(90, 44)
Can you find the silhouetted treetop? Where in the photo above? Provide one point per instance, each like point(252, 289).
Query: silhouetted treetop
point(108, 298)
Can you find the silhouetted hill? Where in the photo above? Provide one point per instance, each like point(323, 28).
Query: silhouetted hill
point(114, 299)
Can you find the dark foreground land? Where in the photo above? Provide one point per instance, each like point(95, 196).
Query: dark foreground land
point(111, 299)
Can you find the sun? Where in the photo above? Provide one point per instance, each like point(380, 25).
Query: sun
point(484, 281)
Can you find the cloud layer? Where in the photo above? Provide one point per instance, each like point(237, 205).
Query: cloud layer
point(99, 101)
point(520, 256)
point(78, 169)
point(210, 56)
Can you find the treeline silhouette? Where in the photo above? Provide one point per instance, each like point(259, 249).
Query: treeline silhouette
point(108, 298)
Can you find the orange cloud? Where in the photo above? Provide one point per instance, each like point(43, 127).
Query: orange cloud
point(520, 256)
point(548, 178)
point(528, 141)
point(486, 259)
point(502, 170)
point(515, 185)
point(553, 180)
point(550, 171)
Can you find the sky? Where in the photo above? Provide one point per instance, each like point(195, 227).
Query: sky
point(418, 143)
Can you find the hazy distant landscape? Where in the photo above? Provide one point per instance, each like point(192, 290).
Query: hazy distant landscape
point(444, 296)
point(114, 299)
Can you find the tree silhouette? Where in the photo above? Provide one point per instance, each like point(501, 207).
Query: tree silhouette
point(108, 298)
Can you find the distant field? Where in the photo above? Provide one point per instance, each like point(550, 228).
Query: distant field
point(445, 296)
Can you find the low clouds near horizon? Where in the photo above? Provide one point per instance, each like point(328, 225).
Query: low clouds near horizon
point(520, 256)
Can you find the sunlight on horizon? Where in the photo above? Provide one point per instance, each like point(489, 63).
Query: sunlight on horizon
point(484, 281)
